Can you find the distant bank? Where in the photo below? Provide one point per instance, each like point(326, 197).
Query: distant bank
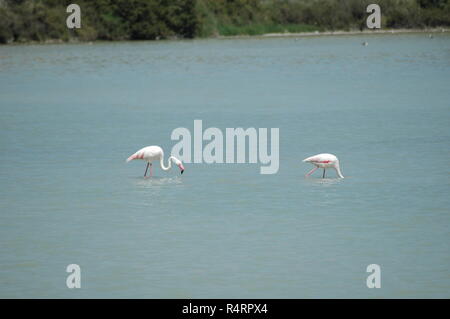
point(353, 32)
point(432, 31)
point(44, 21)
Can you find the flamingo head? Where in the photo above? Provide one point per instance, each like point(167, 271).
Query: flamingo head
point(179, 164)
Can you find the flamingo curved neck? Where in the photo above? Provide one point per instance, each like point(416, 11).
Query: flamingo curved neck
point(338, 171)
point(169, 164)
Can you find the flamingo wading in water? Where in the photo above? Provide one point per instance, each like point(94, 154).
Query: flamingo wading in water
point(324, 161)
point(155, 153)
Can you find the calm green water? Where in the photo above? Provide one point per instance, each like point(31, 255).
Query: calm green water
point(72, 114)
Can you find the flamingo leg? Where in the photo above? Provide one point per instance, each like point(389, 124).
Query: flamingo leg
point(311, 171)
point(146, 169)
point(151, 169)
point(323, 176)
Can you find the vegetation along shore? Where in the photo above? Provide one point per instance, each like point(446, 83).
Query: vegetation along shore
point(23, 21)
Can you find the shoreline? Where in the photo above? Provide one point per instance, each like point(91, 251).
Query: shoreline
point(338, 33)
point(244, 36)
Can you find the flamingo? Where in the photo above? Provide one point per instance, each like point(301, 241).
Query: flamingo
point(155, 153)
point(324, 161)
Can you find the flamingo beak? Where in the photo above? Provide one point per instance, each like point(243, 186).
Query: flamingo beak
point(181, 168)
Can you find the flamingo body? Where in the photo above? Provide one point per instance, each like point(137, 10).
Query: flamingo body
point(148, 154)
point(154, 153)
point(324, 161)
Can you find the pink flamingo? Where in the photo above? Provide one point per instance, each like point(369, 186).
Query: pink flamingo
point(155, 153)
point(324, 161)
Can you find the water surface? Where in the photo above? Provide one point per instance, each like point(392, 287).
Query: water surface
point(72, 114)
